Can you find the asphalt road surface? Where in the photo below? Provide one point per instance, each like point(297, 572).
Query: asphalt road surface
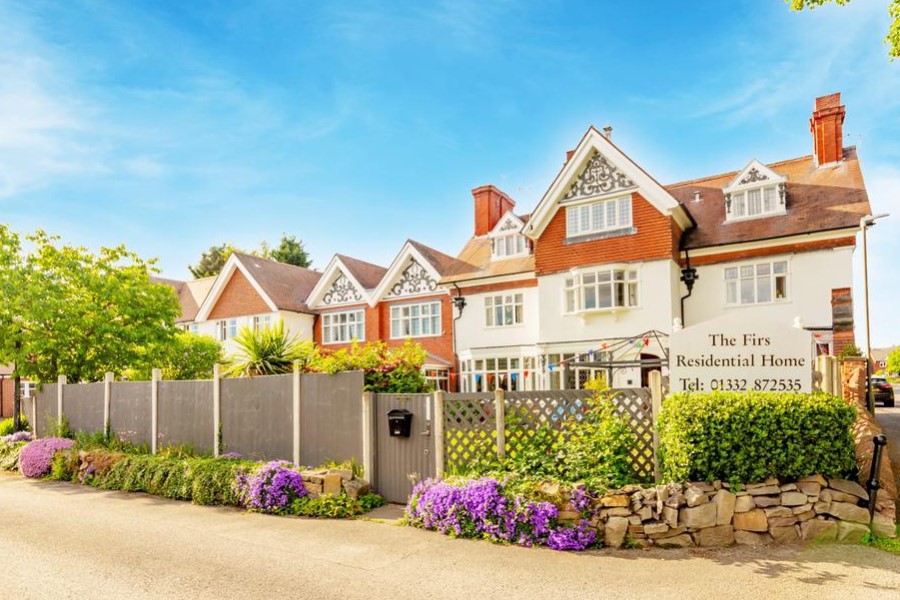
point(59, 540)
point(889, 419)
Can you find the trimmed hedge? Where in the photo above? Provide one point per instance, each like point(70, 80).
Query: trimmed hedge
point(737, 436)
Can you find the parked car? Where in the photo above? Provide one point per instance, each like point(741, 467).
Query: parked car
point(884, 391)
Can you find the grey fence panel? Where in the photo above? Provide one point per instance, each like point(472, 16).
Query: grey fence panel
point(83, 406)
point(46, 407)
point(257, 416)
point(185, 414)
point(130, 416)
point(331, 418)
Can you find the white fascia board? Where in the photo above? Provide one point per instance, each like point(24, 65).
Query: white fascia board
point(490, 280)
point(650, 189)
point(408, 251)
point(509, 215)
point(771, 177)
point(335, 268)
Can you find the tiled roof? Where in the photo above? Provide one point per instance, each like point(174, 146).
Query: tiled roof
point(442, 263)
point(191, 294)
point(818, 199)
point(367, 274)
point(475, 263)
point(286, 285)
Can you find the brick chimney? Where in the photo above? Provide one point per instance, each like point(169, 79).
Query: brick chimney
point(826, 127)
point(490, 205)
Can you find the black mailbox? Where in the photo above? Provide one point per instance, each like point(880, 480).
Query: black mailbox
point(399, 422)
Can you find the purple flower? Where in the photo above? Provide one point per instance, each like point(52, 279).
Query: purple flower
point(232, 455)
point(19, 436)
point(484, 508)
point(271, 489)
point(36, 456)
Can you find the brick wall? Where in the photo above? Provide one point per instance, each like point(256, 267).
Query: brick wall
point(655, 239)
point(7, 389)
point(238, 299)
point(842, 319)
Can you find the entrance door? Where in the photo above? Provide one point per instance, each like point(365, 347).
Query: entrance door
point(400, 462)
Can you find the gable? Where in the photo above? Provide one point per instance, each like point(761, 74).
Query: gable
point(238, 298)
point(414, 280)
point(342, 291)
point(754, 174)
point(508, 223)
point(598, 170)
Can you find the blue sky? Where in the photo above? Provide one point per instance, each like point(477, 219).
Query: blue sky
point(171, 126)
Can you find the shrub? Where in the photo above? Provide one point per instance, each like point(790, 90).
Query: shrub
point(37, 456)
point(9, 454)
point(271, 489)
point(8, 426)
point(335, 507)
point(213, 481)
point(486, 508)
point(748, 437)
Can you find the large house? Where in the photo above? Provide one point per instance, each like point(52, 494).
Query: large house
point(593, 279)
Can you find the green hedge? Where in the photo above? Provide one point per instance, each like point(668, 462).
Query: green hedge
point(748, 437)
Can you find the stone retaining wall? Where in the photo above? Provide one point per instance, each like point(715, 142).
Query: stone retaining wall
point(716, 514)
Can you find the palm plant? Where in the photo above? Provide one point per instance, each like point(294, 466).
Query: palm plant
point(268, 351)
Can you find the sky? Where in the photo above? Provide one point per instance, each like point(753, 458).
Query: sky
point(173, 126)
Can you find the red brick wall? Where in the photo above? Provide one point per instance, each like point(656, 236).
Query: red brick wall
point(655, 239)
point(490, 205)
point(372, 325)
point(772, 251)
point(7, 388)
point(238, 299)
point(826, 126)
point(842, 319)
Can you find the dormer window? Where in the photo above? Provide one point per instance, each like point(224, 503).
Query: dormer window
point(506, 238)
point(756, 192)
point(506, 246)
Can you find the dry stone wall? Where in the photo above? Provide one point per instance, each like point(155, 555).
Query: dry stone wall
point(678, 515)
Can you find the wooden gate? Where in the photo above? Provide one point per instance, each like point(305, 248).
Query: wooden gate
point(400, 462)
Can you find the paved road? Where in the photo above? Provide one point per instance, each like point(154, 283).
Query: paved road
point(64, 541)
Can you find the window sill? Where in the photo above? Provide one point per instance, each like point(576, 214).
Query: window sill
point(779, 213)
point(599, 311)
point(496, 327)
point(416, 337)
point(772, 303)
point(600, 235)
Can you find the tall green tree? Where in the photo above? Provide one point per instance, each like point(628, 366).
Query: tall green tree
point(893, 362)
point(212, 261)
point(188, 356)
point(892, 39)
point(72, 312)
point(289, 251)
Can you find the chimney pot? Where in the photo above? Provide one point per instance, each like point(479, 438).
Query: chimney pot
point(607, 132)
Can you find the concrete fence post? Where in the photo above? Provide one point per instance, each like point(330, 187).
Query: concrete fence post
point(34, 414)
point(368, 436)
point(154, 410)
point(217, 408)
point(656, 397)
point(296, 412)
point(500, 412)
point(107, 400)
point(439, 433)
point(836, 385)
point(60, 386)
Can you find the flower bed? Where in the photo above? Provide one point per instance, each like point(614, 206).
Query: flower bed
point(36, 457)
point(670, 515)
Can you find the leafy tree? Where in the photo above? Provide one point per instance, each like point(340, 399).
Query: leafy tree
point(893, 362)
point(893, 36)
point(68, 311)
point(187, 356)
point(269, 351)
point(212, 261)
point(289, 251)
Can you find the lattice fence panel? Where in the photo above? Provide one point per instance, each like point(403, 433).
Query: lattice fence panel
point(470, 423)
point(470, 430)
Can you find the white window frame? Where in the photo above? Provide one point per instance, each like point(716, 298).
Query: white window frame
point(222, 330)
point(194, 328)
point(232, 328)
point(344, 326)
point(768, 203)
point(262, 322)
point(580, 288)
point(504, 305)
point(601, 216)
point(509, 246)
point(420, 316)
point(438, 377)
point(762, 271)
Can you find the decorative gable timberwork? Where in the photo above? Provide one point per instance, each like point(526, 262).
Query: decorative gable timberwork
point(600, 177)
point(757, 191)
point(414, 280)
point(507, 225)
point(342, 291)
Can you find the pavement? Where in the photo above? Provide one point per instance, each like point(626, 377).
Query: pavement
point(889, 419)
point(60, 540)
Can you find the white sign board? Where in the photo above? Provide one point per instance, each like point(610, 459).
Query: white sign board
point(735, 353)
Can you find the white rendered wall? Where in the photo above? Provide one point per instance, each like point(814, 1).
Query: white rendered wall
point(472, 332)
point(812, 276)
point(299, 324)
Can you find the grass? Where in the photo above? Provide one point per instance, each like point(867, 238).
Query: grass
point(891, 545)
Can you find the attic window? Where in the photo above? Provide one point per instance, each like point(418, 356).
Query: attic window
point(506, 246)
point(756, 192)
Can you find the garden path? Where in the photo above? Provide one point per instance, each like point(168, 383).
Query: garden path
point(889, 419)
point(60, 540)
